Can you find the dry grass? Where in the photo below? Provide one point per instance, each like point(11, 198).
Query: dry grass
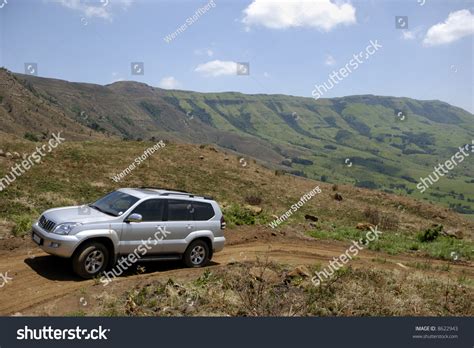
point(386, 221)
point(267, 289)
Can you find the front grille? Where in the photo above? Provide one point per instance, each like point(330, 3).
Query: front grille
point(46, 224)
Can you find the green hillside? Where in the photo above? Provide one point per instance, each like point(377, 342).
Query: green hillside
point(384, 143)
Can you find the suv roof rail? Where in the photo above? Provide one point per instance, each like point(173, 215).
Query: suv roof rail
point(161, 188)
point(175, 192)
point(191, 195)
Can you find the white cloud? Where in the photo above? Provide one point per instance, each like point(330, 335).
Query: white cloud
point(458, 25)
point(320, 14)
point(412, 34)
point(408, 35)
point(169, 82)
point(96, 8)
point(217, 68)
point(330, 61)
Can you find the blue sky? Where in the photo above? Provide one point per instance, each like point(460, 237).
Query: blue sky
point(290, 46)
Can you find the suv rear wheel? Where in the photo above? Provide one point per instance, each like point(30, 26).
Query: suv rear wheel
point(197, 254)
point(90, 260)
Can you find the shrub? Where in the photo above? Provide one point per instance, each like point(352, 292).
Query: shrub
point(372, 215)
point(389, 222)
point(253, 200)
point(31, 137)
point(430, 234)
point(366, 184)
point(237, 215)
point(302, 161)
point(22, 224)
point(330, 147)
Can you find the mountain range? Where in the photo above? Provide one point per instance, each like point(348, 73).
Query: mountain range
point(377, 142)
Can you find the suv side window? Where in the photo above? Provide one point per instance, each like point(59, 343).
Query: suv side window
point(203, 211)
point(151, 210)
point(180, 210)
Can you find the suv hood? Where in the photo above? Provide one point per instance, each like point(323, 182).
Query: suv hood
point(83, 214)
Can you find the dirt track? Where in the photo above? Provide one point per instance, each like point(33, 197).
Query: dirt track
point(45, 285)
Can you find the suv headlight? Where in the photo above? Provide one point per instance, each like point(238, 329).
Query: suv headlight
point(65, 228)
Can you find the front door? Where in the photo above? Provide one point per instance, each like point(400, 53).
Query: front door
point(144, 237)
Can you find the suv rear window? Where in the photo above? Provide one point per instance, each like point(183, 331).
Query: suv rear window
point(203, 211)
point(182, 210)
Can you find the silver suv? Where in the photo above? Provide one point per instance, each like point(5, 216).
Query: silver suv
point(151, 223)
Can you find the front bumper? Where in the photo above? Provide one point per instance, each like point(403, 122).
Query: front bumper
point(54, 244)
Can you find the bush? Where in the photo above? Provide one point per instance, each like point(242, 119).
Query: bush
point(366, 184)
point(372, 215)
point(22, 224)
point(237, 215)
point(31, 137)
point(302, 161)
point(253, 200)
point(389, 222)
point(430, 234)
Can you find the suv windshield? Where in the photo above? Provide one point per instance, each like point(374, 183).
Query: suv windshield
point(115, 203)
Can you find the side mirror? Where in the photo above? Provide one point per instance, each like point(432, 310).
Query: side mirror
point(134, 218)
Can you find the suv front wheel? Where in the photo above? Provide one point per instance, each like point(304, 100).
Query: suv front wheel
point(90, 260)
point(197, 254)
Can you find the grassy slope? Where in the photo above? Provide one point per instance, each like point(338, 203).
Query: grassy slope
point(80, 172)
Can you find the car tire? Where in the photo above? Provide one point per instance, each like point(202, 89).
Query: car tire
point(90, 260)
point(197, 254)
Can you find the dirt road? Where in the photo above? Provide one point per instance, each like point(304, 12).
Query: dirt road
point(39, 284)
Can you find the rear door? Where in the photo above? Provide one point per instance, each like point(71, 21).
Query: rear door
point(179, 224)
